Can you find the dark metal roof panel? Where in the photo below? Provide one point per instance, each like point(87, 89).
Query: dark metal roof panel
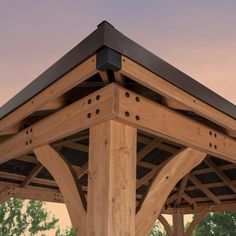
point(107, 35)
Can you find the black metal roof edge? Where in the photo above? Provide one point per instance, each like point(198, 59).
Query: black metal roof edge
point(107, 35)
point(70, 60)
point(127, 47)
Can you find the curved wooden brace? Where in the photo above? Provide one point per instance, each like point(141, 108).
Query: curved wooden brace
point(68, 184)
point(166, 225)
point(199, 217)
point(175, 169)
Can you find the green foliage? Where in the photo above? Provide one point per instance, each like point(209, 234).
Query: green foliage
point(67, 232)
point(217, 224)
point(17, 218)
point(157, 230)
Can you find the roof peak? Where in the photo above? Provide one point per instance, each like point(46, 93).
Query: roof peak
point(104, 22)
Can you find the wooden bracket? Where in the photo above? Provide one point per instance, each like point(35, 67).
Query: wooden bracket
point(68, 184)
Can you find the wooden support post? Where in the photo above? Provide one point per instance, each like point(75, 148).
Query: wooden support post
point(111, 181)
point(68, 184)
point(178, 224)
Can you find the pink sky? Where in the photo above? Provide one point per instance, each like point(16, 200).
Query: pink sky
point(198, 37)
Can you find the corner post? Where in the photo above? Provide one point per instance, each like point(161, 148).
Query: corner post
point(178, 224)
point(112, 180)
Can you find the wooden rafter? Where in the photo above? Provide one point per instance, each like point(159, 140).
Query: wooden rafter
point(31, 175)
point(104, 76)
point(205, 190)
point(168, 90)
point(67, 82)
point(181, 189)
point(221, 174)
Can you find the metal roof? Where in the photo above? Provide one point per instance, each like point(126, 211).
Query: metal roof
point(107, 36)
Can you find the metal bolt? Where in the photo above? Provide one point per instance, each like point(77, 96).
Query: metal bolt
point(127, 94)
point(127, 113)
point(137, 117)
point(89, 115)
point(89, 101)
point(98, 97)
point(97, 111)
point(137, 99)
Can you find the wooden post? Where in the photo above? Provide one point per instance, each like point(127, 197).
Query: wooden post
point(178, 224)
point(112, 180)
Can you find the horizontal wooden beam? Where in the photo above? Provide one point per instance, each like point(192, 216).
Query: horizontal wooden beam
point(64, 84)
point(200, 207)
point(33, 193)
point(163, 122)
point(55, 104)
point(147, 78)
point(89, 111)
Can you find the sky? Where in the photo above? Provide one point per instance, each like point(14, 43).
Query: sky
point(198, 37)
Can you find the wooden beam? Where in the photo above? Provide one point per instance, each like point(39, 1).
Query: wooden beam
point(29, 192)
point(205, 190)
point(119, 78)
point(221, 174)
point(178, 224)
point(163, 122)
point(69, 120)
point(231, 206)
point(64, 84)
point(4, 195)
point(166, 225)
point(148, 148)
point(177, 167)
point(104, 76)
point(175, 105)
point(65, 177)
point(11, 130)
point(145, 77)
point(196, 220)
point(111, 180)
point(31, 175)
point(181, 189)
point(55, 104)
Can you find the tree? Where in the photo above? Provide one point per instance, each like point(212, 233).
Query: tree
point(17, 218)
point(217, 224)
point(157, 230)
point(67, 232)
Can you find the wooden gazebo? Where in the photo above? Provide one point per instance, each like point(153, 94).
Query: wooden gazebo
point(121, 137)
